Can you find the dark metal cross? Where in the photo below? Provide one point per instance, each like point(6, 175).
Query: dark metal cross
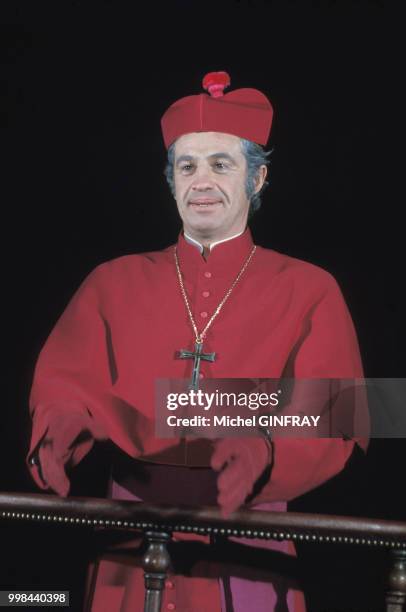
point(197, 355)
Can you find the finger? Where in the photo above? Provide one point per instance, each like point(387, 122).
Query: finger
point(57, 479)
point(227, 511)
point(231, 476)
point(38, 467)
point(234, 493)
point(241, 488)
point(223, 452)
point(53, 471)
point(230, 503)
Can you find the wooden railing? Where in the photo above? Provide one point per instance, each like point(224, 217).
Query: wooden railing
point(158, 522)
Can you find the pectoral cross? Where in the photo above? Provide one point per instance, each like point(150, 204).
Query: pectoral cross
point(197, 355)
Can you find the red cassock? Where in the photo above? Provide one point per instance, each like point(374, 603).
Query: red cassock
point(122, 331)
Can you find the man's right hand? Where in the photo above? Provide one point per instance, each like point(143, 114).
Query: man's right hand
point(65, 433)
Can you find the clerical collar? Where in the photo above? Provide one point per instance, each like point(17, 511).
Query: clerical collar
point(224, 261)
point(197, 244)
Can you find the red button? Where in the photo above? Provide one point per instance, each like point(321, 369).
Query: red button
point(203, 314)
point(206, 293)
point(207, 274)
point(171, 606)
point(169, 584)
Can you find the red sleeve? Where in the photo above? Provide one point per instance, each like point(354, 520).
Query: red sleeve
point(73, 376)
point(327, 348)
point(72, 371)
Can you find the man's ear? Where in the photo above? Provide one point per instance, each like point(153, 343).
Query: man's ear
point(260, 177)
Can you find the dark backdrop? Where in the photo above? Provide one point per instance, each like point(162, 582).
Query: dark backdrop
point(85, 85)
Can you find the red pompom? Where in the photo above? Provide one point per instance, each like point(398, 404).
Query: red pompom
point(215, 83)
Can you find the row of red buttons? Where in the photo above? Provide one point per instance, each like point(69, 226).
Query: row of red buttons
point(205, 294)
point(205, 314)
point(170, 585)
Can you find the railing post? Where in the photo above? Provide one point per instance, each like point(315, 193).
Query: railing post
point(155, 563)
point(396, 585)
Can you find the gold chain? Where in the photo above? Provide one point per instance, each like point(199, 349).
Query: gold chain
point(199, 337)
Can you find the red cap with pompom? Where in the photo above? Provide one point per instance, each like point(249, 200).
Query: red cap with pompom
point(215, 83)
point(246, 113)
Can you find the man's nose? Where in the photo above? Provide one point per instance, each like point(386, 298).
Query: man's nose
point(202, 180)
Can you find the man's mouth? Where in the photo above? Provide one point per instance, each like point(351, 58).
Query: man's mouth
point(204, 202)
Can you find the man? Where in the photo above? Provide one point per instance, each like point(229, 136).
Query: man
point(263, 314)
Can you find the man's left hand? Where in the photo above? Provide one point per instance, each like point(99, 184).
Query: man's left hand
point(243, 460)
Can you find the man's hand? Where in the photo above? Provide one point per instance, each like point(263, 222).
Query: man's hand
point(243, 460)
point(65, 432)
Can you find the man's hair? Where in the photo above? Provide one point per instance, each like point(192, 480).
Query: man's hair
point(255, 155)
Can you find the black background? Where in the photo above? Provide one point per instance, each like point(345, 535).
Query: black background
point(83, 88)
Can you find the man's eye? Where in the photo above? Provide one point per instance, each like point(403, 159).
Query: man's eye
point(186, 167)
point(220, 165)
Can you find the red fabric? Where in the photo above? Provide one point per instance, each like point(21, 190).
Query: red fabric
point(215, 83)
point(246, 113)
point(120, 586)
point(123, 327)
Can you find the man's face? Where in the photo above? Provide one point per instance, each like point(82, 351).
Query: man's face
point(209, 172)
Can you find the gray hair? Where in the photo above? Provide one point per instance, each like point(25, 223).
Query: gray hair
point(255, 156)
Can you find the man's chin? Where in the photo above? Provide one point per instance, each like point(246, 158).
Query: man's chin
point(204, 228)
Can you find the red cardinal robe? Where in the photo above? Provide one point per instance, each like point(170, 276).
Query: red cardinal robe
point(122, 331)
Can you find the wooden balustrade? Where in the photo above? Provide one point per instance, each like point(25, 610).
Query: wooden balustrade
point(158, 522)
